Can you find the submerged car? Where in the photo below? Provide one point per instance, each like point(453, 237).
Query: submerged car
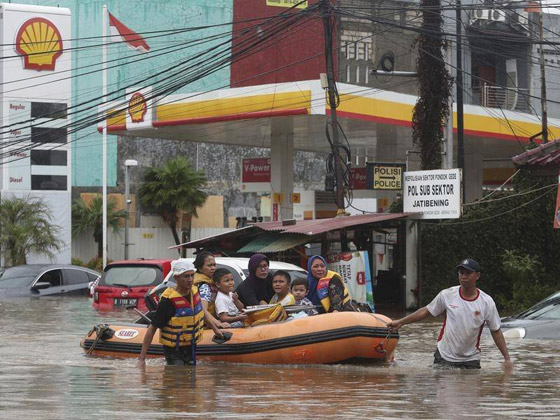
point(540, 321)
point(45, 280)
point(124, 283)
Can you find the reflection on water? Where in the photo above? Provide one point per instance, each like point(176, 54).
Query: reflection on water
point(44, 375)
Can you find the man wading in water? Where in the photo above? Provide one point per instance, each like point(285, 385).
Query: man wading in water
point(467, 310)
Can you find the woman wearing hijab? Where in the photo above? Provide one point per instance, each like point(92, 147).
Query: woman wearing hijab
point(326, 288)
point(257, 288)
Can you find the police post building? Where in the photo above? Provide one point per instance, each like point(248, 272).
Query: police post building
point(36, 92)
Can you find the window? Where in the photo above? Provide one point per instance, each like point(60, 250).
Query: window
point(49, 157)
point(54, 277)
point(92, 277)
point(74, 276)
point(49, 182)
point(131, 276)
point(49, 135)
point(48, 110)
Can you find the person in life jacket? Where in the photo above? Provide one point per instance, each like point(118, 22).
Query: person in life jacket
point(326, 287)
point(180, 317)
point(205, 265)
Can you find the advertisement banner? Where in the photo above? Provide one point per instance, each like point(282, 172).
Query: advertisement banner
point(354, 269)
point(287, 3)
point(436, 194)
point(358, 178)
point(255, 175)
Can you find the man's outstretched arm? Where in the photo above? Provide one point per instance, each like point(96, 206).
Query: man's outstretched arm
point(419, 315)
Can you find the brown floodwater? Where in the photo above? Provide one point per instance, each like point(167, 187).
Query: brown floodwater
point(44, 374)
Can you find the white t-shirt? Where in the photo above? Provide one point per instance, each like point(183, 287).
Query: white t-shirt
point(459, 337)
point(224, 303)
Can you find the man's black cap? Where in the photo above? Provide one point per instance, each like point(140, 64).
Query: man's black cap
point(469, 264)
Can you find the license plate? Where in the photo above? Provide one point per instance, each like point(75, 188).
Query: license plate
point(126, 302)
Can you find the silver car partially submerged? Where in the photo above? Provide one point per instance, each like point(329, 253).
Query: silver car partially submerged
point(540, 321)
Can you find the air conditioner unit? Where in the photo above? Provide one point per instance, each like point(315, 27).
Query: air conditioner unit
point(523, 19)
point(480, 14)
point(498, 15)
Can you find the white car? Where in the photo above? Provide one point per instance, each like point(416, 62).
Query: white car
point(239, 267)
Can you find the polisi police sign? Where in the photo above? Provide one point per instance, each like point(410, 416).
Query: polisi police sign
point(437, 193)
point(385, 176)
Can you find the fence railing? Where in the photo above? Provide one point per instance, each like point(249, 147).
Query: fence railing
point(491, 96)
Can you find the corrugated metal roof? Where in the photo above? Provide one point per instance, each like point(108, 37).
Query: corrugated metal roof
point(274, 242)
point(542, 156)
point(318, 226)
point(200, 243)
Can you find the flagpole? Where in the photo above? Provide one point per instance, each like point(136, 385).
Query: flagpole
point(104, 149)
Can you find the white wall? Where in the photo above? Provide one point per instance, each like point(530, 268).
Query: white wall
point(144, 243)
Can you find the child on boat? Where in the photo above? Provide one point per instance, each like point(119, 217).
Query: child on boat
point(228, 306)
point(281, 285)
point(299, 290)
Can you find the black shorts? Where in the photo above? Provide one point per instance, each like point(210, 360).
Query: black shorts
point(182, 356)
point(441, 362)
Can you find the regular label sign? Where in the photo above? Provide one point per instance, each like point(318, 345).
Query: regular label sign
point(255, 175)
point(437, 194)
point(385, 176)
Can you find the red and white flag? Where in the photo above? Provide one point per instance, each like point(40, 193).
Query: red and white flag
point(121, 33)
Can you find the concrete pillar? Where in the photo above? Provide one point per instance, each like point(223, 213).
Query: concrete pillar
point(282, 166)
point(411, 283)
point(473, 176)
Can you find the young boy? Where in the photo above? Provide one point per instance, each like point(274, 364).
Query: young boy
point(281, 285)
point(299, 290)
point(228, 305)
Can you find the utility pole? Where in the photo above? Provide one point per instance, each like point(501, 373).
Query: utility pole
point(544, 107)
point(328, 23)
point(459, 84)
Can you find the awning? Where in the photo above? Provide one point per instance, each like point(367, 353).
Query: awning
point(319, 226)
point(544, 158)
point(284, 235)
point(273, 242)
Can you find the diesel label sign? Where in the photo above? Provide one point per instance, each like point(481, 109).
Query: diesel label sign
point(385, 176)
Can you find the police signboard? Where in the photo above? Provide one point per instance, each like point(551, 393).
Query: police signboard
point(437, 194)
point(385, 176)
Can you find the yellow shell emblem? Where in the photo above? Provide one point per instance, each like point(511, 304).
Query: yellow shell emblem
point(39, 42)
point(137, 107)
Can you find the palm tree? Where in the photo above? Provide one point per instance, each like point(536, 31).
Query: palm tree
point(25, 226)
point(173, 190)
point(85, 217)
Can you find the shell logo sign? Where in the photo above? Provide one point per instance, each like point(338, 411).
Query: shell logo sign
point(39, 42)
point(137, 107)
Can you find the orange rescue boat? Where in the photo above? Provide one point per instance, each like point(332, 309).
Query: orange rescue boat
point(343, 337)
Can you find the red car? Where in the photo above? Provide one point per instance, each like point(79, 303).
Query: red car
point(124, 283)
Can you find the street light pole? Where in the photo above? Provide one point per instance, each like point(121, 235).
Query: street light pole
point(127, 163)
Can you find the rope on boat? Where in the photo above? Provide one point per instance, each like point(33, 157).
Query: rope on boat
point(100, 331)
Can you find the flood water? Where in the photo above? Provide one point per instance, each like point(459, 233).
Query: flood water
point(44, 374)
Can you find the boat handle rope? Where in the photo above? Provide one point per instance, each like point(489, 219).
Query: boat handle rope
point(380, 348)
point(100, 331)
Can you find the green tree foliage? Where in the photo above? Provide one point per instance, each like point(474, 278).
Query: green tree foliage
point(434, 84)
point(173, 190)
point(90, 217)
point(510, 235)
point(26, 226)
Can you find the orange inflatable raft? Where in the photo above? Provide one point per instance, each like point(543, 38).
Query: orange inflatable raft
point(343, 337)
